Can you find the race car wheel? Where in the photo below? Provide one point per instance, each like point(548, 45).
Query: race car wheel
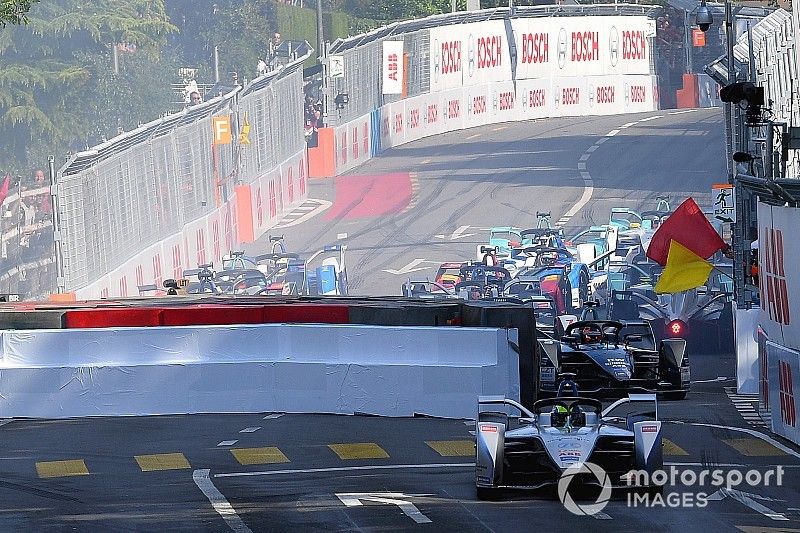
point(487, 494)
point(583, 289)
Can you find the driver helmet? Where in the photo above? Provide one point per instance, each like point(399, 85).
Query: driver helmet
point(591, 336)
point(559, 416)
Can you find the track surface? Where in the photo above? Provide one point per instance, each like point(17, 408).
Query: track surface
point(265, 472)
point(502, 175)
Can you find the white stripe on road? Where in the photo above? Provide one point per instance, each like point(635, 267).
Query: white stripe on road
point(584, 157)
point(582, 165)
point(612, 133)
point(272, 416)
point(628, 125)
point(227, 443)
point(346, 469)
point(323, 205)
point(218, 501)
point(592, 148)
point(683, 111)
point(648, 119)
point(250, 430)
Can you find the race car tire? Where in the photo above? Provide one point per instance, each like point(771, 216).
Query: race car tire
point(488, 494)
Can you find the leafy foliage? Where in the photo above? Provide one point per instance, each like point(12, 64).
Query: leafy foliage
point(14, 11)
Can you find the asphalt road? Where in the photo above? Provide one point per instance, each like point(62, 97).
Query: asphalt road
point(291, 472)
point(294, 472)
point(435, 199)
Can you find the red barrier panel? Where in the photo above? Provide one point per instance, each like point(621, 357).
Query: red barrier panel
point(113, 318)
point(310, 314)
point(210, 315)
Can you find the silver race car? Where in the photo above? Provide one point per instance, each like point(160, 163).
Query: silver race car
point(533, 451)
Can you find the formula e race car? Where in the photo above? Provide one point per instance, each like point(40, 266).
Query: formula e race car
point(610, 358)
point(562, 433)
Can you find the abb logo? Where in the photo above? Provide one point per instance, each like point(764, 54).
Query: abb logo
point(638, 94)
point(453, 109)
point(774, 293)
point(478, 105)
point(413, 119)
point(536, 98)
point(398, 123)
point(433, 114)
point(634, 45)
point(343, 146)
point(506, 101)
point(570, 96)
point(605, 95)
point(788, 411)
point(354, 137)
point(535, 48)
point(392, 66)
point(365, 141)
point(123, 286)
point(490, 51)
point(290, 174)
point(451, 57)
point(177, 270)
point(585, 46)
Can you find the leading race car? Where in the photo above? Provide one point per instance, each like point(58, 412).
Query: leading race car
point(612, 358)
point(533, 451)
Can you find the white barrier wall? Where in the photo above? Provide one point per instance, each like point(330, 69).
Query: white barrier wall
point(388, 371)
point(747, 365)
point(784, 390)
point(209, 238)
point(567, 66)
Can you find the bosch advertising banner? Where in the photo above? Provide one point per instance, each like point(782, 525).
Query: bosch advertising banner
point(392, 67)
point(778, 254)
point(784, 388)
point(582, 46)
point(469, 54)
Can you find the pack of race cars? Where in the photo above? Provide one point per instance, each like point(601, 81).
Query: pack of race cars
point(604, 263)
point(323, 273)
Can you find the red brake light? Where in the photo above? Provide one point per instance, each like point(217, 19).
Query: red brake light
point(676, 328)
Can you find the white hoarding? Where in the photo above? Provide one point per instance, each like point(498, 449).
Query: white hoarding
point(392, 67)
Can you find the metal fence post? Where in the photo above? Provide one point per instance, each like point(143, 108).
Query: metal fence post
point(60, 285)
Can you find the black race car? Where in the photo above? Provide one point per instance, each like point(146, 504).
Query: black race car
point(612, 358)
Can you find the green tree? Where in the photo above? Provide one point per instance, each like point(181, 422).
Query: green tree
point(50, 72)
point(14, 11)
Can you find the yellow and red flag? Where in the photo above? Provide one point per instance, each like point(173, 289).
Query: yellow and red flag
point(689, 227)
point(685, 270)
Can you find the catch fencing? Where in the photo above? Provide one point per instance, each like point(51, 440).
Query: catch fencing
point(182, 190)
point(470, 69)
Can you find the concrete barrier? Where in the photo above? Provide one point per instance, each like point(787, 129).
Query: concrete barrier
point(389, 371)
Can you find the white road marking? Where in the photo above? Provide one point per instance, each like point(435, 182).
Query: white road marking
point(648, 119)
point(600, 515)
point(749, 500)
point(601, 140)
point(612, 133)
point(6, 421)
point(273, 416)
point(218, 501)
point(457, 234)
point(323, 206)
point(474, 136)
point(592, 148)
point(250, 430)
point(683, 111)
point(227, 443)
point(392, 498)
point(341, 236)
point(752, 432)
point(500, 128)
point(346, 469)
point(628, 125)
point(582, 165)
point(306, 207)
point(719, 378)
point(413, 266)
point(584, 157)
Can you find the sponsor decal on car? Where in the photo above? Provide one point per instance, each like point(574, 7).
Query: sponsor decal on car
point(488, 429)
point(649, 429)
